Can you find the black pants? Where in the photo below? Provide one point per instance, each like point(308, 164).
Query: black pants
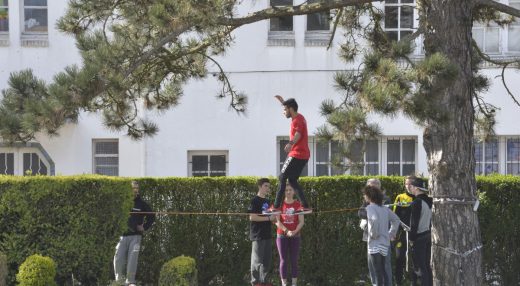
point(400, 256)
point(291, 170)
point(421, 255)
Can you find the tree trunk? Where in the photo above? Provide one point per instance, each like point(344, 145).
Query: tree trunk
point(456, 241)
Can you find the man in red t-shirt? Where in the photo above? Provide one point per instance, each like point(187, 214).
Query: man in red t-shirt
point(298, 149)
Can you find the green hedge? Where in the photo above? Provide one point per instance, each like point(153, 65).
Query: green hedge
point(74, 220)
point(180, 271)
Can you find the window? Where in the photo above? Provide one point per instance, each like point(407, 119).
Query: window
point(35, 16)
point(4, 16)
point(399, 18)
point(106, 157)
point(513, 156)
point(328, 157)
point(207, 163)
point(318, 21)
point(281, 23)
point(487, 37)
point(400, 156)
point(513, 41)
point(6, 163)
point(25, 159)
point(486, 157)
point(364, 160)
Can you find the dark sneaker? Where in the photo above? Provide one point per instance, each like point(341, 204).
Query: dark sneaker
point(272, 211)
point(303, 211)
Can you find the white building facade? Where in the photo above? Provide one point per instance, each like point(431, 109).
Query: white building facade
point(202, 137)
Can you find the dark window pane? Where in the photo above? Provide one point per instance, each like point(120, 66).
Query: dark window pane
point(406, 1)
point(478, 151)
point(391, 1)
point(26, 163)
point(199, 165)
point(491, 168)
point(391, 14)
point(107, 148)
point(406, 17)
point(393, 169)
point(283, 154)
point(513, 149)
point(322, 152)
point(478, 168)
point(356, 154)
point(107, 171)
point(491, 151)
point(372, 151)
point(6, 164)
point(43, 168)
point(408, 150)
point(35, 20)
point(4, 19)
point(356, 169)
point(35, 2)
point(372, 169)
point(393, 151)
point(106, 161)
point(35, 163)
point(281, 24)
point(4, 3)
point(322, 170)
point(392, 35)
point(513, 168)
point(408, 169)
point(217, 165)
point(318, 22)
point(404, 34)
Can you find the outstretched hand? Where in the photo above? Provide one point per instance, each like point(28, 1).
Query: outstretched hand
point(279, 97)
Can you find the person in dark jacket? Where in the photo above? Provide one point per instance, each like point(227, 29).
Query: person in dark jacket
point(402, 210)
point(127, 250)
point(420, 235)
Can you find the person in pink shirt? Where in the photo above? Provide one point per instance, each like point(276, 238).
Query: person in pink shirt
point(298, 149)
point(288, 239)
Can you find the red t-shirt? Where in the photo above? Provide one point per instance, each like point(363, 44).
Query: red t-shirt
point(300, 150)
point(289, 221)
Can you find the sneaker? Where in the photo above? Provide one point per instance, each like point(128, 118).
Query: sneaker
point(302, 211)
point(272, 211)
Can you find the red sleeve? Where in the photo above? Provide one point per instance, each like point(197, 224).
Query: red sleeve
point(297, 125)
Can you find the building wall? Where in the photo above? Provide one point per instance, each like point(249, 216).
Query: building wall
point(203, 123)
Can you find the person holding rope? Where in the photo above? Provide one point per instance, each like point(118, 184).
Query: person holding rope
point(298, 149)
point(403, 211)
point(127, 250)
point(379, 218)
point(260, 235)
point(362, 214)
point(420, 235)
point(288, 238)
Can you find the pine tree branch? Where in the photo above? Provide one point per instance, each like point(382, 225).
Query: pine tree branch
point(338, 17)
point(499, 7)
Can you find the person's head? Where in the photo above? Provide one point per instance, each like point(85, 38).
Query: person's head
point(263, 186)
point(373, 195)
point(290, 107)
point(135, 188)
point(418, 186)
point(408, 183)
point(289, 192)
point(374, 182)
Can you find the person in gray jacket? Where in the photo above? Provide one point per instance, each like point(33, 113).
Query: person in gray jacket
point(420, 235)
point(379, 218)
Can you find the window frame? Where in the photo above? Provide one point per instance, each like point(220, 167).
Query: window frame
point(483, 163)
point(207, 153)
point(6, 7)
point(398, 29)
point(94, 155)
point(22, 18)
point(507, 159)
point(18, 150)
point(401, 162)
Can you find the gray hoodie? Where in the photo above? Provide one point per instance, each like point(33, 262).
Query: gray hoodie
point(379, 217)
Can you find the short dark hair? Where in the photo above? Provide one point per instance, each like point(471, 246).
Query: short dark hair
point(374, 194)
point(291, 102)
point(262, 181)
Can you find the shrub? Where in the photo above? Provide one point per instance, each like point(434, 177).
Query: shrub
point(180, 271)
point(37, 270)
point(3, 269)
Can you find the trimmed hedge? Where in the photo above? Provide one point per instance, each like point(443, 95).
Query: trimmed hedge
point(37, 270)
point(180, 271)
point(74, 220)
point(3, 269)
